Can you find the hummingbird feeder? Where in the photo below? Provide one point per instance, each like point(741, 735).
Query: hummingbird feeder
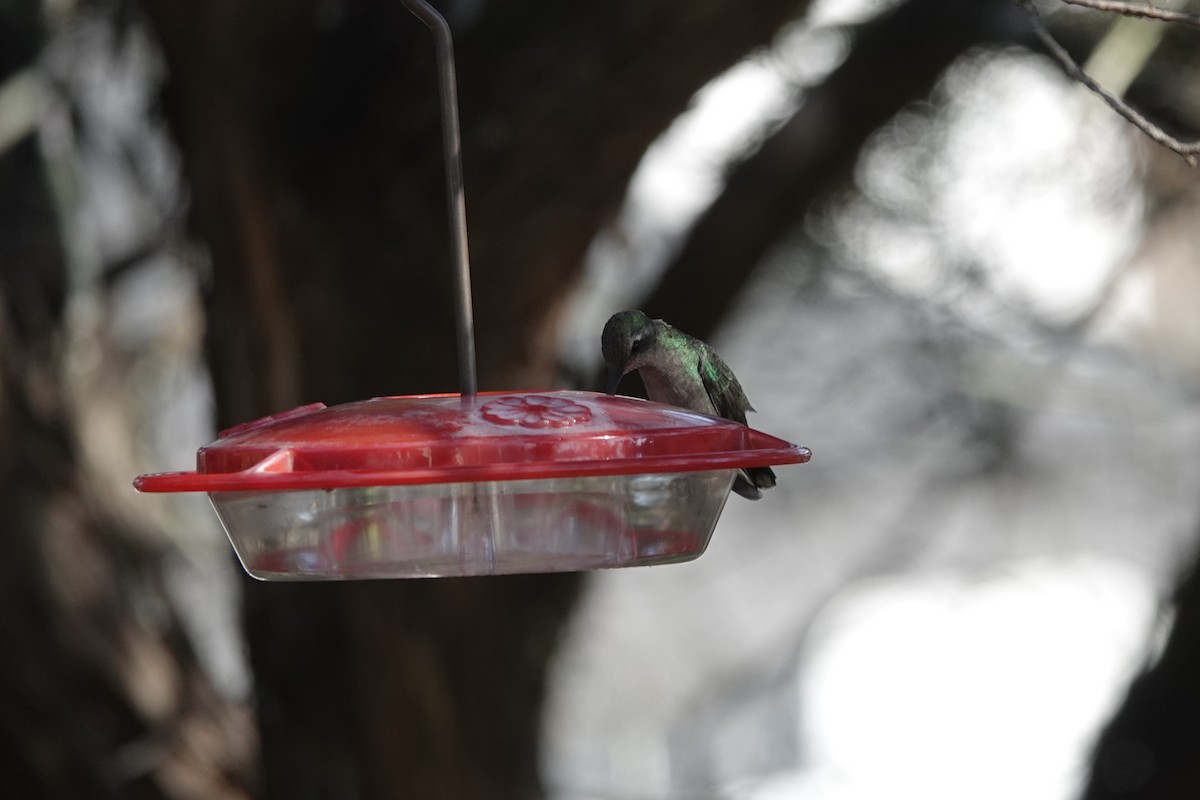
point(469, 484)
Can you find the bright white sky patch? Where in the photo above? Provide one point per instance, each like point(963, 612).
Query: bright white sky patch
point(847, 12)
point(1038, 182)
point(939, 688)
point(1024, 179)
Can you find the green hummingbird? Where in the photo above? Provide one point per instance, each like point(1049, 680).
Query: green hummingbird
point(679, 370)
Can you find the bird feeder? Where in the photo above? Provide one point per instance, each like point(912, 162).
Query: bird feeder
point(470, 484)
point(439, 485)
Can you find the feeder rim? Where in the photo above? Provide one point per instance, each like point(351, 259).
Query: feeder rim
point(260, 479)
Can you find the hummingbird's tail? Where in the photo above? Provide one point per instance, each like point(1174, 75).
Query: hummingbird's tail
point(749, 483)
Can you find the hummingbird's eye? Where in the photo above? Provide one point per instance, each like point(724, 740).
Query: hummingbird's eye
point(636, 345)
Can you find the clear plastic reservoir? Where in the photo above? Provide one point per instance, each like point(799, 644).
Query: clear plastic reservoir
point(486, 528)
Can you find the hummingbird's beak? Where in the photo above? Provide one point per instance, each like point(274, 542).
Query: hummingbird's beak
point(614, 377)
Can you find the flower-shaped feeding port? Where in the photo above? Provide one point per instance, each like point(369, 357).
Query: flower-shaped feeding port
point(442, 485)
point(535, 411)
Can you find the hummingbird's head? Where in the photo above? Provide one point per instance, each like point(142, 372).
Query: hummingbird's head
point(628, 338)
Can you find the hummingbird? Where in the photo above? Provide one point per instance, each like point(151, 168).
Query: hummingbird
point(679, 370)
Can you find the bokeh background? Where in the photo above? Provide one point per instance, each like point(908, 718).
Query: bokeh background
point(956, 275)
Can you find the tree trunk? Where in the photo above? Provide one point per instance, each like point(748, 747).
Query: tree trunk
point(100, 694)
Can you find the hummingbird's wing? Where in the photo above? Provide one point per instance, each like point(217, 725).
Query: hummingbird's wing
point(722, 386)
point(730, 401)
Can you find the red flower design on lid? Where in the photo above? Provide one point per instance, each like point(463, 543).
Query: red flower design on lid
point(535, 411)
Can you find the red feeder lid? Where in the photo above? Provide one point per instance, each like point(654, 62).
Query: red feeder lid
point(426, 439)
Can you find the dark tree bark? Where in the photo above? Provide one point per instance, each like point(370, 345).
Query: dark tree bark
point(100, 694)
point(309, 135)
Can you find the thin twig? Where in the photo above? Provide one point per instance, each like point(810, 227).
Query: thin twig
point(1139, 10)
point(1188, 150)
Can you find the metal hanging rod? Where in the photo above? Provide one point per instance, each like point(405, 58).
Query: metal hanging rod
point(455, 193)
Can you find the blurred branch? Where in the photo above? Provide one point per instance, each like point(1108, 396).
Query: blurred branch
point(1188, 150)
point(895, 59)
point(1138, 10)
point(20, 107)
